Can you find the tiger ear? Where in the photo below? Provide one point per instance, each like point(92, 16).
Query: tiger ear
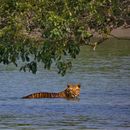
point(68, 85)
point(79, 85)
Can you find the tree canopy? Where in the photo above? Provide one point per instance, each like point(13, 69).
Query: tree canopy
point(52, 31)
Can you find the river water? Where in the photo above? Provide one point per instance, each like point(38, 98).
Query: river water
point(104, 102)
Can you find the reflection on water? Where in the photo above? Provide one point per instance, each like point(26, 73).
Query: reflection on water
point(104, 101)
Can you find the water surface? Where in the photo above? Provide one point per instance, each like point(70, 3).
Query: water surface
point(104, 102)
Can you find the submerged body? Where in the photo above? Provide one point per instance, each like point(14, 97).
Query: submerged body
point(72, 91)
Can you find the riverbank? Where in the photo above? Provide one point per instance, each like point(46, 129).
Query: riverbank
point(121, 32)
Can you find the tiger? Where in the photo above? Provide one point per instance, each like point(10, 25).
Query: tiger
point(72, 91)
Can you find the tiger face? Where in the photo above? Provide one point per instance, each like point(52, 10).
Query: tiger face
point(73, 90)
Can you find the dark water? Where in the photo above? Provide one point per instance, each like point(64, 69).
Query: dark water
point(104, 102)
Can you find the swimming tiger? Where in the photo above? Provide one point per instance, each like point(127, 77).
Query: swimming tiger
point(72, 91)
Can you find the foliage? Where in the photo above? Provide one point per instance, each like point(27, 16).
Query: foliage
point(49, 31)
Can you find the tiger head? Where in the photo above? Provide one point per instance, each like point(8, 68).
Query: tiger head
point(73, 90)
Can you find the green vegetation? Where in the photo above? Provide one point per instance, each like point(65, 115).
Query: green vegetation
point(52, 31)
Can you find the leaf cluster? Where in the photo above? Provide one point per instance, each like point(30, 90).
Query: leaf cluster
point(50, 32)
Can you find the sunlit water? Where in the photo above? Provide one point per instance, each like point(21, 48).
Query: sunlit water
point(104, 102)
